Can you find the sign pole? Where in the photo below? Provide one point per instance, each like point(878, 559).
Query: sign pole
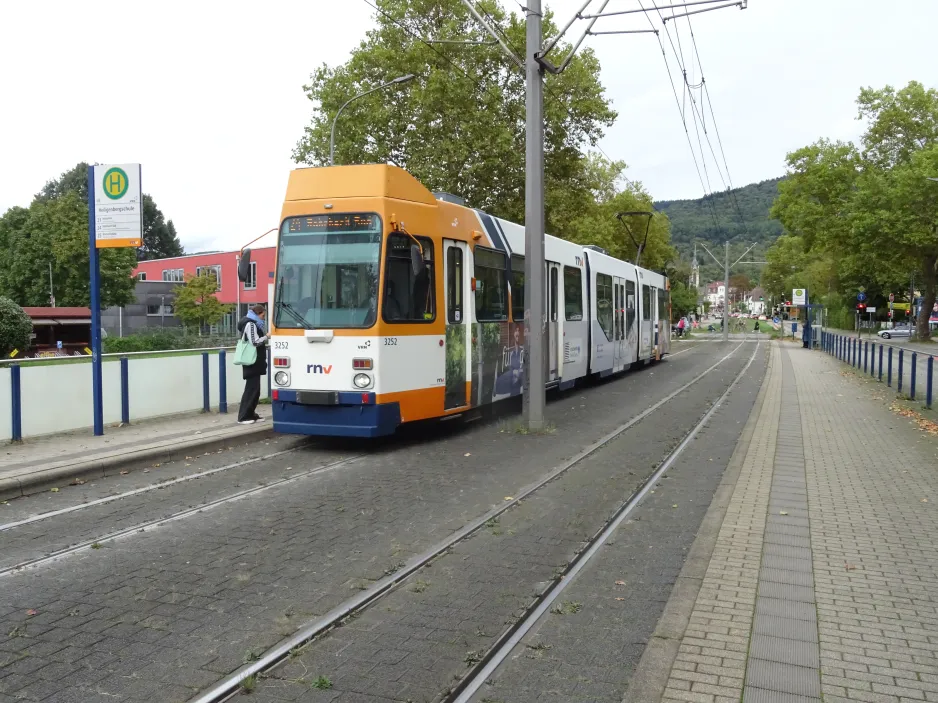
point(115, 219)
point(97, 394)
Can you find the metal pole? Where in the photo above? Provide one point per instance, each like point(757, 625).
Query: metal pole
point(889, 370)
point(534, 393)
point(899, 385)
point(880, 363)
point(726, 296)
point(97, 395)
point(929, 375)
point(913, 369)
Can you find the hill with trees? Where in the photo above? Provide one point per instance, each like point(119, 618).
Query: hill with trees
point(740, 216)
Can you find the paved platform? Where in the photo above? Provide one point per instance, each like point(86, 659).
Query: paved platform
point(823, 581)
point(37, 464)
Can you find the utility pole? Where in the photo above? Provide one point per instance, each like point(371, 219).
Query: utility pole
point(535, 396)
point(51, 291)
point(726, 287)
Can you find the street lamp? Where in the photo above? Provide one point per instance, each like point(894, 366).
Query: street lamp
point(400, 79)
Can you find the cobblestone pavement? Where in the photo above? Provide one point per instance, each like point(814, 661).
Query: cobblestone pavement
point(418, 641)
point(160, 615)
point(847, 582)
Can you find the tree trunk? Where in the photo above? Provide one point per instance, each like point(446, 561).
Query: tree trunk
point(928, 296)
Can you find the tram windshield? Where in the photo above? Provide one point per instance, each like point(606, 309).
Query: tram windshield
point(327, 271)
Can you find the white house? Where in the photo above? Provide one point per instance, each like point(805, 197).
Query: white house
point(716, 293)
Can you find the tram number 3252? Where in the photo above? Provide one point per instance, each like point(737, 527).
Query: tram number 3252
point(390, 341)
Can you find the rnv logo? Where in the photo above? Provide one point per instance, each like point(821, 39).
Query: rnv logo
point(319, 368)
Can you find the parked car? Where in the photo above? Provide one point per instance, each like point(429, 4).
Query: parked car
point(896, 332)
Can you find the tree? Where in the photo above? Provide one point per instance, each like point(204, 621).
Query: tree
point(683, 300)
point(56, 232)
point(870, 217)
point(460, 126)
point(159, 235)
point(196, 303)
point(15, 327)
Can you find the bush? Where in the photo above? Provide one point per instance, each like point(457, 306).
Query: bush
point(15, 327)
point(162, 340)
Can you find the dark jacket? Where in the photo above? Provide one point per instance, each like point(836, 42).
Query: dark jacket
point(259, 367)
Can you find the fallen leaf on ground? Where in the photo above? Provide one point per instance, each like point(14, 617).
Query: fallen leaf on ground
point(620, 583)
point(467, 454)
point(76, 482)
point(54, 490)
point(783, 512)
point(508, 498)
point(32, 612)
point(620, 598)
point(924, 500)
point(124, 473)
point(674, 506)
point(849, 567)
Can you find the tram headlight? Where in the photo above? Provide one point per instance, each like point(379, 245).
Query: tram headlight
point(361, 380)
point(282, 378)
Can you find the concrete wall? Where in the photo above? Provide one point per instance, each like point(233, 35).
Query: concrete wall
point(57, 397)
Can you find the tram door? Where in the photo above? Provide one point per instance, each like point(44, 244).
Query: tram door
point(457, 272)
point(554, 306)
point(618, 323)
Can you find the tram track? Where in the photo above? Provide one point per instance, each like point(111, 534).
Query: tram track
point(149, 524)
point(470, 684)
point(146, 525)
point(169, 483)
point(229, 686)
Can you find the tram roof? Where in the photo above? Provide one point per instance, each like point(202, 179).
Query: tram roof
point(365, 181)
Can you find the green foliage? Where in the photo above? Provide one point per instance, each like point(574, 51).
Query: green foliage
point(55, 231)
point(15, 327)
point(196, 303)
point(460, 130)
point(864, 218)
point(683, 300)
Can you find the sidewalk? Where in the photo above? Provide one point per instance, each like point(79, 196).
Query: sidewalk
point(824, 577)
point(37, 464)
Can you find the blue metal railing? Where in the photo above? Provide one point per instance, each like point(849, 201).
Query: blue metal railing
point(863, 354)
point(16, 384)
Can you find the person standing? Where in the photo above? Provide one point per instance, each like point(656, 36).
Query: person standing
point(253, 329)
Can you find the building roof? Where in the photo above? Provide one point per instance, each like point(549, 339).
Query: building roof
point(59, 313)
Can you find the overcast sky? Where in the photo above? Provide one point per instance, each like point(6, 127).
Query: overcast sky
point(208, 95)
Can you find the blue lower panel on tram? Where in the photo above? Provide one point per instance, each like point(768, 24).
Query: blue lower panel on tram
point(346, 415)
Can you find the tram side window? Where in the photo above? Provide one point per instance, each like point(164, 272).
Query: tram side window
point(454, 284)
point(573, 293)
point(663, 304)
point(517, 288)
point(604, 304)
point(491, 285)
point(629, 305)
point(646, 303)
point(408, 298)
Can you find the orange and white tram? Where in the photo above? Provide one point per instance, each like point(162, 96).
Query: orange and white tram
point(392, 304)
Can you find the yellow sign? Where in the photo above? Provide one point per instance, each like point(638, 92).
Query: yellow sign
point(14, 353)
point(87, 351)
point(115, 183)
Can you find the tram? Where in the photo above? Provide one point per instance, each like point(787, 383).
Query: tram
point(393, 304)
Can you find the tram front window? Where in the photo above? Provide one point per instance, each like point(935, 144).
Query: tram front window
point(327, 271)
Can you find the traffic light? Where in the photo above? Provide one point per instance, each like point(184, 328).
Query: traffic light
point(890, 314)
point(861, 308)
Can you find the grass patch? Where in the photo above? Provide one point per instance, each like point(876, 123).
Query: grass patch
point(420, 586)
point(322, 683)
point(249, 683)
point(567, 608)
